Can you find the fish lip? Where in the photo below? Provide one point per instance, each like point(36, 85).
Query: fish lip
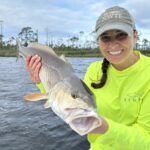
point(87, 113)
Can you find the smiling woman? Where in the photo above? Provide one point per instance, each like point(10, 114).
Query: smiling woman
point(123, 72)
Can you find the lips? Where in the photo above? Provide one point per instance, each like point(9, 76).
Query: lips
point(115, 52)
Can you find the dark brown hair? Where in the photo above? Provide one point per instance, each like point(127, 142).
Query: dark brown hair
point(103, 79)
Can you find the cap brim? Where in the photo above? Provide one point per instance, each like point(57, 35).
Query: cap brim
point(115, 26)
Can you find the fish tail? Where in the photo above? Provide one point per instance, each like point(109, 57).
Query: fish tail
point(18, 45)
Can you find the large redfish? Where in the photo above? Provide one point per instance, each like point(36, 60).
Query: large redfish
point(66, 94)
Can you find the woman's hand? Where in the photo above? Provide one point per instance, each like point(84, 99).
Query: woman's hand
point(33, 65)
point(101, 129)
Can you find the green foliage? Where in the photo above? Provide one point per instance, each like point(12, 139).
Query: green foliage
point(8, 52)
point(28, 35)
point(11, 51)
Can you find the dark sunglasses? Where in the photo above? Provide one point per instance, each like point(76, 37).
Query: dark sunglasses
point(118, 37)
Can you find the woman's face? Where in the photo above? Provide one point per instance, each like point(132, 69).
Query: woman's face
point(117, 47)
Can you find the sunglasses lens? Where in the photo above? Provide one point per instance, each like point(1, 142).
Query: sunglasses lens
point(105, 38)
point(118, 37)
point(121, 36)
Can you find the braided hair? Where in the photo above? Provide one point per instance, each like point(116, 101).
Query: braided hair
point(103, 79)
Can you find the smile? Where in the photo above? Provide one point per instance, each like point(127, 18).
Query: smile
point(115, 53)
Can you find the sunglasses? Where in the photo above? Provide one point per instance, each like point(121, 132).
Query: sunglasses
point(121, 36)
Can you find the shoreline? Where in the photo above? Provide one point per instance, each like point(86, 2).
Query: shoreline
point(66, 53)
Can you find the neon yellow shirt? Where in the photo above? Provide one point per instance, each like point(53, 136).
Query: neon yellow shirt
point(41, 88)
point(124, 102)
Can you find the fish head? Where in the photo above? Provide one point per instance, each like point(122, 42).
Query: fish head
point(66, 97)
point(80, 91)
point(74, 107)
point(85, 94)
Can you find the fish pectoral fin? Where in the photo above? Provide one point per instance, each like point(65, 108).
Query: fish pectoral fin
point(47, 104)
point(36, 96)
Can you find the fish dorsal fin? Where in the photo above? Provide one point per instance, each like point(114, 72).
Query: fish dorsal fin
point(36, 96)
point(42, 47)
point(62, 57)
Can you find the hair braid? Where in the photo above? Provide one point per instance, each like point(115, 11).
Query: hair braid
point(103, 79)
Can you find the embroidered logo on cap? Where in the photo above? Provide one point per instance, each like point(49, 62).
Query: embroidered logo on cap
point(110, 15)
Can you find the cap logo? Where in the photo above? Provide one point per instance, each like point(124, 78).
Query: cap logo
point(110, 15)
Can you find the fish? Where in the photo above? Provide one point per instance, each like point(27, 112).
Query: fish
point(66, 94)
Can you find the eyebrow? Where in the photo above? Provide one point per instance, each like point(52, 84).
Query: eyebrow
point(106, 33)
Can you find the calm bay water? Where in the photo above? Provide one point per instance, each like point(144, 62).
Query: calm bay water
point(27, 125)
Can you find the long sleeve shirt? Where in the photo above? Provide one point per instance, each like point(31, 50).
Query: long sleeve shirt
point(124, 102)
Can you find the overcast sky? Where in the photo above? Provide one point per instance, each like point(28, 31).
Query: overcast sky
point(66, 18)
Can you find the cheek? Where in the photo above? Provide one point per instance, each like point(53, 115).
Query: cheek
point(131, 42)
point(130, 45)
point(103, 48)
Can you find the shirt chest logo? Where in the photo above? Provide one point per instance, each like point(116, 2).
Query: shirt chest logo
point(133, 97)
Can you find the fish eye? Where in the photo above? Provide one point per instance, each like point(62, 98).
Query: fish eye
point(74, 96)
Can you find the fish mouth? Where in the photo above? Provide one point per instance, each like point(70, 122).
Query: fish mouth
point(83, 121)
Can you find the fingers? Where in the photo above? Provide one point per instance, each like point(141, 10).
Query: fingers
point(32, 60)
point(33, 65)
point(28, 61)
point(35, 62)
point(36, 72)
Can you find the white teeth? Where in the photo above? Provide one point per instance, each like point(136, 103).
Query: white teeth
point(115, 53)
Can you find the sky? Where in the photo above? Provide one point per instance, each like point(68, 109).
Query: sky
point(66, 18)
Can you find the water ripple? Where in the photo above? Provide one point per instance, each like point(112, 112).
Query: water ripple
point(27, 125)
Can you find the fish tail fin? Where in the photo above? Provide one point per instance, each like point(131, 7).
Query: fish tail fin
point(18, 45)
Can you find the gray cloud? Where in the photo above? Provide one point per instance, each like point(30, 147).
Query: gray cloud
point(140, 11)
point(64, 18)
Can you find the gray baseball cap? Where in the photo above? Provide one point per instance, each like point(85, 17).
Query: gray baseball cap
point(115, 18)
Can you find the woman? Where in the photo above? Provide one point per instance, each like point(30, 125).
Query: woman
point(120, 85)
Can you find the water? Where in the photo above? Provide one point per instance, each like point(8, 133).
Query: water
point(27, 125)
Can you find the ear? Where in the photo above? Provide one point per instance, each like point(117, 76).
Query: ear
point(136, 36)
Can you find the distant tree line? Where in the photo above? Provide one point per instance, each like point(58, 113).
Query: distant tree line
point(78, 42)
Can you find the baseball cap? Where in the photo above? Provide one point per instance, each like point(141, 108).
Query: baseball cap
point(115, 18)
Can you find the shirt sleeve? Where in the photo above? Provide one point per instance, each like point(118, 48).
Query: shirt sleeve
point(41, 87)
point(133, 137)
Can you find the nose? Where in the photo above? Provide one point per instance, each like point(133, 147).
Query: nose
point(114, 44)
